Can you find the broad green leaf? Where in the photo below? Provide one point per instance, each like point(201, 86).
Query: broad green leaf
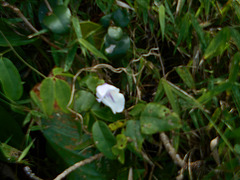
point(103, 139)
point(47, 95)
point(59, 21)
point(70, 57)
point(199, 31)
point(92, 49)
point(137, 109)
point(158, 118)
point(91, 82)
point(62, 93)
point(161, 14)
point(218, 44)
point(10, 79)
point(105, 113)
point(83, 101)
point(186, 76)
point(216, 91)
point(121, 17)
point(133, 130)
point(62, 134)
point(234, 70)
point(171, 96)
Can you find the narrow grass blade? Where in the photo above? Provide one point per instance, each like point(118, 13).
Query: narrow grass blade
point(199, 31)
point(219, 132)
point(218, 44)
point(25, 152)
point(234, 70)
point(161, 13)
point(171, 97)
point(186, 76)
point(216, 91)
point(92, 49)
point(193, 103)
point(70, 57)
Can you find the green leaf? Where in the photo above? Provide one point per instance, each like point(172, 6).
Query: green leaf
point(62, 93)
point(70, 57)
point(171, 97)
point(119, 153)
point(161, 12)
point(234, 70)
point(186, 76)
point(25, 152)
point(92, 49)
point(184, 30)
point(83, 101)
point(121, 17)
point(47, 95)
point(121, 141)
point(216, 91)
point(8, 153)
point(137, 109)
point(199, 31)
point(191, 101)
point(77, 27)
point(218, 44)
point(59, 21)
point(62, 134)
point(105, 113)
point(133, 130)
point(158, 118)
point(103, 139)
point(10, 79)
point(235, 35)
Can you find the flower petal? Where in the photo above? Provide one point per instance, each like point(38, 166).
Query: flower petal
point(115, 101)
point(103, 89)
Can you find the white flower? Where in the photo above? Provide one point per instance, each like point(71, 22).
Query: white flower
point(111, 97)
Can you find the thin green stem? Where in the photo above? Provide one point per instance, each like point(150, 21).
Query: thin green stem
point(19, 57)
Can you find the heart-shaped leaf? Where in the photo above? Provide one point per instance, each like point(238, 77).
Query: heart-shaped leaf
point(59, 21)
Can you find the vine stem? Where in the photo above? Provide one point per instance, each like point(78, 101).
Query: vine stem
point(19, 57)
point(77, 165)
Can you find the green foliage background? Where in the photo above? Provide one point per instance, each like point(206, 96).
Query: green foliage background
point(175, 61)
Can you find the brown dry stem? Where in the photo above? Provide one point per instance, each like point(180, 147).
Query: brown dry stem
point(77, 165)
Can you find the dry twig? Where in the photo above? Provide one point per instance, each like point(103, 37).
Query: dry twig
point(77, 165)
